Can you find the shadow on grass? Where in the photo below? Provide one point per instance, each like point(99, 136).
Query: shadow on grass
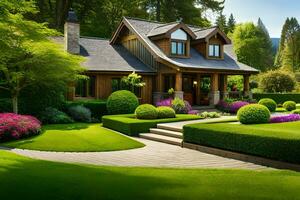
point(66, 127)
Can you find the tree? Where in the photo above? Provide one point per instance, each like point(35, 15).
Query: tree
point(133, 81)
point(251, 46)
point(278, 57)
point(231, 24)
point(221, 22)
point(28, 56)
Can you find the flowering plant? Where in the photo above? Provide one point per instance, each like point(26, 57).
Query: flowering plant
point(285, 118)
point(235, 106)
point(14, 126)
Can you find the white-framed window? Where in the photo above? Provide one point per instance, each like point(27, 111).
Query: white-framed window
point(214, 50)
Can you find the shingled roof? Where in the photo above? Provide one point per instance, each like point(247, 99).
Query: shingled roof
point(143, 28)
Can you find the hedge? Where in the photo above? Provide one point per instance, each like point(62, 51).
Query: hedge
point(131, 126)
point(280, 98)
point(265, 140)
point(97, 107)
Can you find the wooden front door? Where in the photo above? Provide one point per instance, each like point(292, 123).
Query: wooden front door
point(189, 88)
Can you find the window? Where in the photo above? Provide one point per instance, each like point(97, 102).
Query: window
point(86, 88)
point(178, 48)
point(214, 50)
point(115, 84)
point(179, 35)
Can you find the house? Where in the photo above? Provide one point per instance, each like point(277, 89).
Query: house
point(194, 61)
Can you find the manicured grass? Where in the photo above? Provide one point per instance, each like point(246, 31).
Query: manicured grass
point(77, 137)
point(25, 178)
point(129, 125)
point(277, 141)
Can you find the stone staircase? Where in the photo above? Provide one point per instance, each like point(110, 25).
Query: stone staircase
point(164, 133)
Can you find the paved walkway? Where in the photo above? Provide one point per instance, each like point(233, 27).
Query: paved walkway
point(154, 154)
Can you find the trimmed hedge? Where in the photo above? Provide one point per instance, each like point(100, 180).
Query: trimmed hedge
point(278, 97)
point(290, 105)
point(269, 103)
point(146, 111)
point(266, 140)
point(131, 126)
point(254, 114)
point(97, 107)
point(122, 102)
point(165, 112)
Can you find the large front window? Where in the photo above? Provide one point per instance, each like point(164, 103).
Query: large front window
point(214, 50)
point(86, 88)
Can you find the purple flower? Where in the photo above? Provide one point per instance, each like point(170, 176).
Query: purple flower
point(235, 106)
point(193, 112)
point(285, 118)
point(165, 102)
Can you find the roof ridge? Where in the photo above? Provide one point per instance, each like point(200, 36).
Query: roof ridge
point(166, 24)
point(203, 29)
point(145, 20)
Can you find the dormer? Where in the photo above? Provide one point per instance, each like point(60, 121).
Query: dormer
point(210, 43)
point(173, 39)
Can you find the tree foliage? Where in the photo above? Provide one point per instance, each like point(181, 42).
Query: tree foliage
point(231, 24)
point(252, 46)
point(28, 56)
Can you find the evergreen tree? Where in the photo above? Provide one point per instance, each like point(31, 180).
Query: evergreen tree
point(278, 58)
point(231, 24)
point(221, 22)
point(262, 26)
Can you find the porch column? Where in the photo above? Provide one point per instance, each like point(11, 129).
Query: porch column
point(214, 93)
point(178, 85)
point(158, 93)
point(247, 91)
point(224, 92)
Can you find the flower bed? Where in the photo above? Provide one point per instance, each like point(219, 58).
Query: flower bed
point(13, 126)
point(230, 107)
point(285, 118)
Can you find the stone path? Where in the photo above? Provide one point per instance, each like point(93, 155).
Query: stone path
point(154, 154)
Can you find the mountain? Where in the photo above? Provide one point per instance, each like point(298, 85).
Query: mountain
point(275, 42)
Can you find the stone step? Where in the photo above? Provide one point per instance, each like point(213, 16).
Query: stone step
point(169, 127)
point(162, 138)
point(168, 133)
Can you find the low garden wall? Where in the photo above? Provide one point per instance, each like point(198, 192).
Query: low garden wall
point(279, 98)
point(267, 140)
point(131, 126)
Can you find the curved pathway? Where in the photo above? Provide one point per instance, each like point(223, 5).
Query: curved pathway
point(154, 154)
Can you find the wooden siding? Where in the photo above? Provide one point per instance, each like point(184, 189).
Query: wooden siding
point(165, 45)
point(137, 49)
point(201, 48)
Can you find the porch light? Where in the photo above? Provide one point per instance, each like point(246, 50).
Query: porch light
point(195, 82)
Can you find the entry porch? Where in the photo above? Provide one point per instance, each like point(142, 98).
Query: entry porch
point(198, 88)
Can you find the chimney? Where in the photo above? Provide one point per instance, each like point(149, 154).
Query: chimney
point(72, 33)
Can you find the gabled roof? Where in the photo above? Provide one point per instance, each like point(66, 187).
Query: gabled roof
point(101, 56)
point(167, 29)
point(209, 32)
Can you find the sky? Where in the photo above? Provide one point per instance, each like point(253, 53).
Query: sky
point(272, 12)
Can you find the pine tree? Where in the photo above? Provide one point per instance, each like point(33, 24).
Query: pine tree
point(261, 25)
point(231, 24)
point(278, 58)
point(221, 22)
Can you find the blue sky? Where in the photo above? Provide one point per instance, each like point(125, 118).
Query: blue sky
point(272, 12)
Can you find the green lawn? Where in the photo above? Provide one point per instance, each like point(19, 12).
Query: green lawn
point(77, 137)
point(277, 141)
point(25, 178)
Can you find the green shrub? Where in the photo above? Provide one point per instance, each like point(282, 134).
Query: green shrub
point(129, 125)
point(275, 141)
point(289, 105)
point(165, 112)
point(297, 111)
point(179, 106)
point(97, 107)
point(80, 114)
point(277, 81)
point(280, 98)
point(269, 103)
point(122, 102)
point(253, 114)
point(146, 111)
point(54, 116)
point(5, 105)
point(209, 115)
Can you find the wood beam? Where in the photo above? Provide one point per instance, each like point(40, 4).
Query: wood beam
point(214, 82)
point(246, 83)
point(178, 82)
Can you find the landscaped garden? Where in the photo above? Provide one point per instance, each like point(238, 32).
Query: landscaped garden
point(33, 179)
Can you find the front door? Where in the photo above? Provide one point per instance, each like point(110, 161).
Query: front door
point(189, 88)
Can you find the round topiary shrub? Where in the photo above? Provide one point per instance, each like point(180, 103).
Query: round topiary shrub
point(297, 111)
point(122, 102)
point(146, 111)
point(165, 112)
point(269, 103)
point(289, 105)
point(254, 114)
point(14, 126)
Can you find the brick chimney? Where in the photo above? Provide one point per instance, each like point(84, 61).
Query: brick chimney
point(72, 33)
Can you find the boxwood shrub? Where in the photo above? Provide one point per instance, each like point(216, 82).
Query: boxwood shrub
point(289, 105)
point(146, 111)
point(275, 141)
point(254, 114)
point(297, 111)
point(279, 98)
point(122, 102)
point(269, 103)
point(165, 112)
